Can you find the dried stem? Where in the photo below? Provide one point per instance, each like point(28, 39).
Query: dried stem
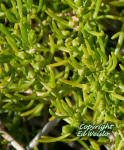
point(46, 129)
point(10, 139)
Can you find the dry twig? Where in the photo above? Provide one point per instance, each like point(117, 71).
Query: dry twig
point(10, 139)
point(46, 129)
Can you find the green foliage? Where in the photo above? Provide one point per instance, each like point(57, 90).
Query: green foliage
point(65, 55)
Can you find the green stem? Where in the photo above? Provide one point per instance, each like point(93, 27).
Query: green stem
point(98, 3)
point(120, 41)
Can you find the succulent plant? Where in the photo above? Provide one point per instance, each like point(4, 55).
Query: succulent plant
point(62, 61)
